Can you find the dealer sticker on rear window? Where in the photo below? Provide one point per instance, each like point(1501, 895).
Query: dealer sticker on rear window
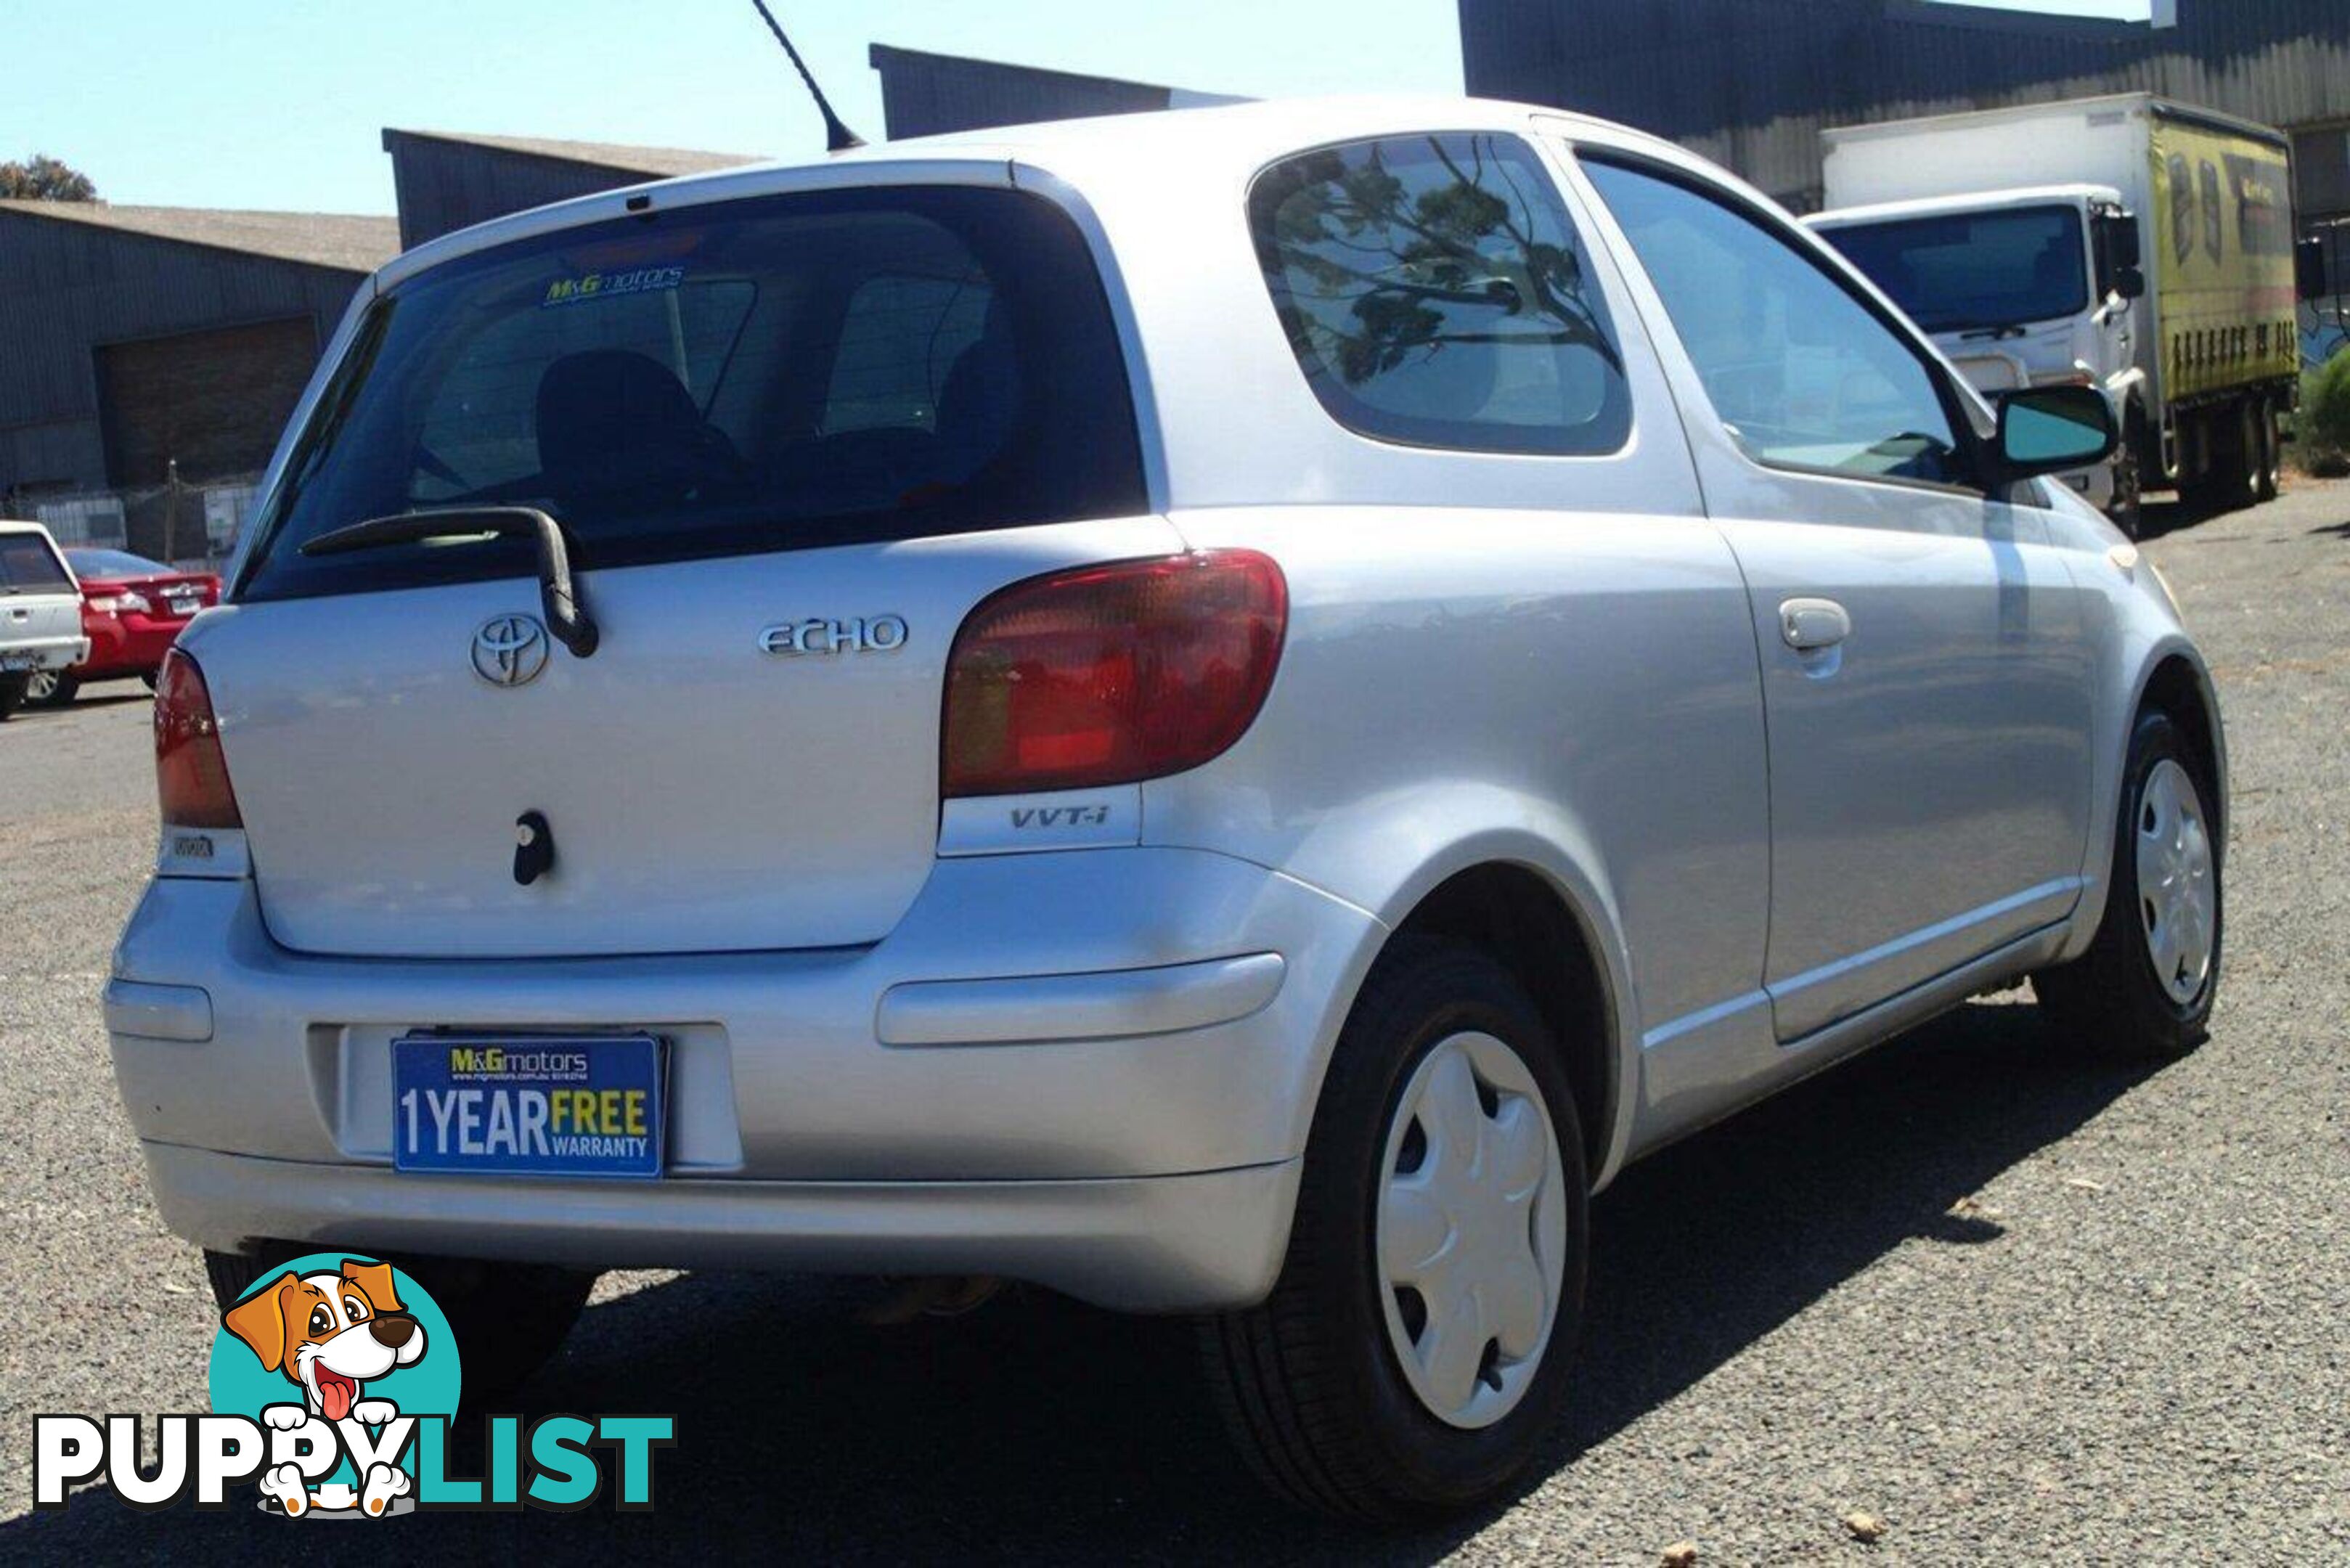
point(611, 284)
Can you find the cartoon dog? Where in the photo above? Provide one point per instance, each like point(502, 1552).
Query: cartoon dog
point(329, 1333)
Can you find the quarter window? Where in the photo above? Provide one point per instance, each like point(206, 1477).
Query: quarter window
point(1435, 293)
point(1801, 372)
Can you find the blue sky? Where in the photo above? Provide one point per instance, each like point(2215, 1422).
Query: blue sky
point(279, 103)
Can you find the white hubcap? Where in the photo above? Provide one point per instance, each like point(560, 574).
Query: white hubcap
point(2178, 897)
point(1472, 1229)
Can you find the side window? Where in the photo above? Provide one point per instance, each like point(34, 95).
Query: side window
point(1436, 294)
point(1802, 373)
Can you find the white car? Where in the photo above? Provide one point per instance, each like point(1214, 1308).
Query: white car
point(1227, 712)
point(40, 611)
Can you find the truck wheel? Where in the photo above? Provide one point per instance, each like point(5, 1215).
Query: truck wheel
point(1418, 1344)
point(12, 695)
point(48, 689)
point(2127, 509)
point(2231, 461)
point(2240, 475)
point(2144, 990)
point(508, 1319)
point(2269, 479)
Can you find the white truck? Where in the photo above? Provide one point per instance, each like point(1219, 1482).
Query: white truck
point(40, 611)
point(2124, 243)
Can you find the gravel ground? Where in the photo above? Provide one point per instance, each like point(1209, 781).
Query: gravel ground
point(2020, 1310)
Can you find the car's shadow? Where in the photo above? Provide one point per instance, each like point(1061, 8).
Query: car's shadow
point(1037, 1429)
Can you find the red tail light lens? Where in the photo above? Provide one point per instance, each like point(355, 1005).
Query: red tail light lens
point(191, 774)
point(1110, 674)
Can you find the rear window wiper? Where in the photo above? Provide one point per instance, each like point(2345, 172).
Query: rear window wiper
point(566, 611)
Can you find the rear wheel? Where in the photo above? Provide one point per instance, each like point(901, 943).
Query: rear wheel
point(1420, 1339)
point(2270, 478)
point(508, 1319)
point(12, 695)
point(50, 688)
point(2144, 988)
point(2230, 477)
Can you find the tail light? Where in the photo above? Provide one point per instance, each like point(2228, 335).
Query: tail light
point(120, 604)
point(191, 774)
point(1110, 674)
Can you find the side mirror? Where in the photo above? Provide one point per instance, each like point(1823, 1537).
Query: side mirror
point(2311, 275)
point(2121, 240)
point(2129, 283)
point(2049, 430)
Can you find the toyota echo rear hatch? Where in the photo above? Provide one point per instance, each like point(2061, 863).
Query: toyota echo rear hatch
point(771, 446)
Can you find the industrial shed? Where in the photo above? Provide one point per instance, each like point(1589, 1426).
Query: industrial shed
point(155, 351)
point(1751, 83)
point(930, 95)
point(445, 181)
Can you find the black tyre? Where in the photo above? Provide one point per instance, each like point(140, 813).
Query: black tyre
point(12, 695)
point(2144, 990)
point(1421, 1337)
point(50, 688)
point(2128, 508)
point(2230, 478)
point(508, 1319)
point(2270, 439)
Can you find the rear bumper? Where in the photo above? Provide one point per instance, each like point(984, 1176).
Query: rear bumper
point(1169, 1243)
point(45, 653)
point(126, 644)
point(1094, 1069)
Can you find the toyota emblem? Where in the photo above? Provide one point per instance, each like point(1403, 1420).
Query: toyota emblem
point(510, 650)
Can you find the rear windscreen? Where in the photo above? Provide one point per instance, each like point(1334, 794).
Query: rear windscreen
point(760, 375)
point(27, 566)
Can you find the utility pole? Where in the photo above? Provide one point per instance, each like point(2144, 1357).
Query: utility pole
point(172, 514)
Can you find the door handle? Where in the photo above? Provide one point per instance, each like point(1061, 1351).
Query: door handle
point(1808, 624)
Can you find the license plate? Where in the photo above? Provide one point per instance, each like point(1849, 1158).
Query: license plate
point(16, 660)
point(180, 608)
point(528, 1105)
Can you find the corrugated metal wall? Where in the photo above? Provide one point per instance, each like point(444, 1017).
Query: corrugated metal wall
point(930, 95)
point(444, 185)
point(1751, 83)
point(68, 288)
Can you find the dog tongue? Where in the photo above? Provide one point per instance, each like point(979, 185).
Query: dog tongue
point(335, 1394)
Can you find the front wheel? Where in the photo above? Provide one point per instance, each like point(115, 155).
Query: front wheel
point(2144, 990)
point(2127, 509)
point(1419, 1341)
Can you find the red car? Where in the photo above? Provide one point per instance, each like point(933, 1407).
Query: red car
point(131, 610)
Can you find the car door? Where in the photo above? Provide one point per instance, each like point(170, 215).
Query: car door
point(1926, 661)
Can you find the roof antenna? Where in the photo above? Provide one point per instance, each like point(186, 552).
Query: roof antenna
point(838, 137)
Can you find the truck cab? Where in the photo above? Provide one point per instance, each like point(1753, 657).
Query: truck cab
point(2029, 287)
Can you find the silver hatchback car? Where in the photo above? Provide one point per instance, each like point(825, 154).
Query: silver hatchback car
point(1226, 712)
